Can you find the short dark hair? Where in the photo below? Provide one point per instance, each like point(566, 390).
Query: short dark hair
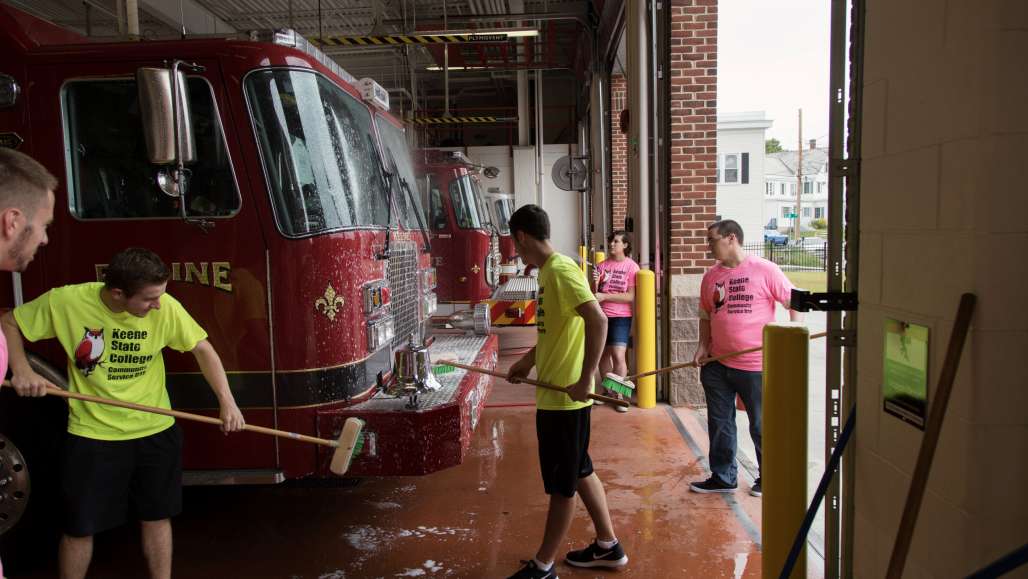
point(625, 237)
point(532, 220)
point(726, 227)
point(133, 269)
point(24, 183)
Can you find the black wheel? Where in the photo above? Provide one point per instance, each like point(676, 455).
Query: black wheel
point(15, 484)
point(31, 433)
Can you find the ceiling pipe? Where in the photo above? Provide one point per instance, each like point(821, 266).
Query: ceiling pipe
point(446, 64)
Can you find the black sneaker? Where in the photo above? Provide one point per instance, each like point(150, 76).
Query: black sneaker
point(756, 490)
point(711, 485)
point(596, 556)
point(530, 571)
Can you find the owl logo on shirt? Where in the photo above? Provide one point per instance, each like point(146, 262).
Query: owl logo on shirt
point(89, 351)
point(719, 296)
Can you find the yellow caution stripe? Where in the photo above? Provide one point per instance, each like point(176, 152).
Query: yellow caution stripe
point(461, 120)
point(401, 39)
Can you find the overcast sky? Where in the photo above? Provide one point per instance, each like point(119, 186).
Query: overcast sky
point(773, 56)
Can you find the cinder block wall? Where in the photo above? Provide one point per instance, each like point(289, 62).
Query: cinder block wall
point(693, 177)
point(944, 210)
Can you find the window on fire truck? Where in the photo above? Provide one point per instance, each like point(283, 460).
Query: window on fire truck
point(435, 203)
point(464, 208)
point(503, 216)
point(483, 210)
point(396, 147)
point(323, 168)
point(111, 176)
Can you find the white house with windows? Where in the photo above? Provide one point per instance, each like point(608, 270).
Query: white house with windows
point(781, 183)
point(740, 170)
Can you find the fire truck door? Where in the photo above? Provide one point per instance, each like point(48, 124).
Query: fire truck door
point(441, 227)
point(112, 197)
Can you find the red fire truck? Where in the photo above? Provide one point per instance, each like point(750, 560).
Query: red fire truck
point(283, 195)
point(465, 242)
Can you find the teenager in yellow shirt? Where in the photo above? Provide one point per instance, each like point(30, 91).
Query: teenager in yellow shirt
point(118, 464)
point(571, 329)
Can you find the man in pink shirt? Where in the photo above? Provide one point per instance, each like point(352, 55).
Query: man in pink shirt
point(737, 299)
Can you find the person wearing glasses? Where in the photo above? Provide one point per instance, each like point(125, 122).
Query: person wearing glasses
point(737, 299)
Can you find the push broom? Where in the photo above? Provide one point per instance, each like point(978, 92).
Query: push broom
point(347, 446)
point(608, 399)
point(625, 386)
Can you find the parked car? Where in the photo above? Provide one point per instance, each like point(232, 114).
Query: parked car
point(775, 238)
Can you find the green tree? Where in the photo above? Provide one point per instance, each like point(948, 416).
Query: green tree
point(772, 146)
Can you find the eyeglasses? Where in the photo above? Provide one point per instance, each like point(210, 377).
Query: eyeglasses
point(713, 240)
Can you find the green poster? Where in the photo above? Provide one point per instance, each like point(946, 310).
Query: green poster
point(905, 371)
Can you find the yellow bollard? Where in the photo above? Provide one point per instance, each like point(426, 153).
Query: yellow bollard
point(646, 337)
point(784, 472)
point(583, 252)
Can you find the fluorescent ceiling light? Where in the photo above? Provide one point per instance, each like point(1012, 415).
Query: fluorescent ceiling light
point(436, 67)
point(508, 32)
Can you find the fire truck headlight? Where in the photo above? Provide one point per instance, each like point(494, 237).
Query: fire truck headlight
point(380, 332)
point(376, 296)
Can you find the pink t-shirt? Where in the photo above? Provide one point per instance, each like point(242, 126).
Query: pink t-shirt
point(3, 365)
point(616, 277)
point(740, 301)
point(3, 374)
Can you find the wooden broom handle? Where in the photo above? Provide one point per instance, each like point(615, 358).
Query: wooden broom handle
point(53, 391)
point(606, 399)
point(706, 360)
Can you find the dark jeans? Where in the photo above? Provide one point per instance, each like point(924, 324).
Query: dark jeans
point(720, 385)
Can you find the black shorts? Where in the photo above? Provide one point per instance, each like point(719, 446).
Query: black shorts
point(108, 482)
point(563, 448)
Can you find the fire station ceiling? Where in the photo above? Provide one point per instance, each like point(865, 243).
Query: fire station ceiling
point(553, 35)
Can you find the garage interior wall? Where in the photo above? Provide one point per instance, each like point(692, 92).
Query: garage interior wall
point(944, 211)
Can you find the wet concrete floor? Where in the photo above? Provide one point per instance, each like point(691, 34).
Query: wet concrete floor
point(476, 520)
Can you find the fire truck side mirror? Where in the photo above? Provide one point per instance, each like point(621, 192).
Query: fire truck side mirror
point(157, 108)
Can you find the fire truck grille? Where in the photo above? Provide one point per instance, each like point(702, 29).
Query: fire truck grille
point(403, 286)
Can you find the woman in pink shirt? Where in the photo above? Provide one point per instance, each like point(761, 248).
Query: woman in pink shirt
point(614, 281)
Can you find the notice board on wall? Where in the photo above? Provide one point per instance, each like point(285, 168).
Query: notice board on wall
point(905, 371)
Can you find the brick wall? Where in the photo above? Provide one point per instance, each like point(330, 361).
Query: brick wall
point(693, 188)
point(619, 152)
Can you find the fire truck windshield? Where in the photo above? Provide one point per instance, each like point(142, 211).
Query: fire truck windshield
point(503, 213)
point(324, 171)
point(396, 145)
point(465, 204)
point(483, 209)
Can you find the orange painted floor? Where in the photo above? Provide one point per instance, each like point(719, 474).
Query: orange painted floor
point(475, 520)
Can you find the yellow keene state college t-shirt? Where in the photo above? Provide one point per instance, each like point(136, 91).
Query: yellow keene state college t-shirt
point(560, 348)
point(111, 355)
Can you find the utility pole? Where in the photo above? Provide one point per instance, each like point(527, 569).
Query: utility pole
point(799, 182)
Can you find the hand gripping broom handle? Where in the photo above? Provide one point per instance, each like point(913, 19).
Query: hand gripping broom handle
point(705, 360)
point(186, 416)
point(606, 399)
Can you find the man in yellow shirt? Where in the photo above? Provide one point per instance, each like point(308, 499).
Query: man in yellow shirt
point(571, 328)
point(117, 464)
